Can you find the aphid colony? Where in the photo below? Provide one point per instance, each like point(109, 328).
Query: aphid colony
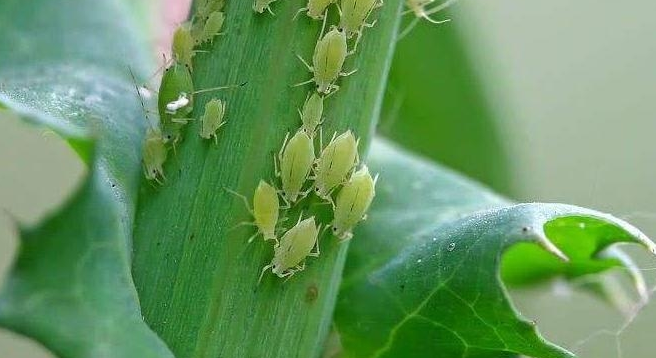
point(175, 100)
point(335, 176)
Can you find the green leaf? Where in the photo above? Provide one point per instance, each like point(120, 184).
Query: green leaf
point(70, 286)
point(436, 103)
point(196, 275)
point(423, 273)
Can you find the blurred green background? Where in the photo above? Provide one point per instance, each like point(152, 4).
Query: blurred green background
point(571, 89)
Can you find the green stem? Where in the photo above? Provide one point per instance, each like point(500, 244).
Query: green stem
point(196, 277)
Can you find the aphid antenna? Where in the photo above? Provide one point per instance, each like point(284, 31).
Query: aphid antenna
point(262, 273)
point(310, 68)
point(298, 12)
point(323, 25)
point(220, 88)
point(143, 105)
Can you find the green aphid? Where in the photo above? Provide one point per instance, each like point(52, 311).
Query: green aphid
point(212, 118)
point(316, 9)
point(354, 15)
point(295, 246)
point(205, 7)
point(353, 202)
point(183, 45)
point(211, 28)
point(260, 5)
point(337, 160)
point(265, 211)
point(312, 113)
point(296, 157)
point(327, 62)
point(175, 100)
point(154, 155)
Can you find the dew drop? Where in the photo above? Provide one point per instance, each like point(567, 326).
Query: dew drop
point(451, 247)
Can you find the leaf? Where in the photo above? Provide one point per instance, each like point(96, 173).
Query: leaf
point(65, 68)
point(196, 274)
point(437, 104)
point(423, 273)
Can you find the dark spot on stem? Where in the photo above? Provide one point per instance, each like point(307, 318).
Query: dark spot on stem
point(312, 293)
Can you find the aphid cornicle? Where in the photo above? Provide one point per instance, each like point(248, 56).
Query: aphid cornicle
point(327, 61)
point(260, 5)
point(265, 210)
point(295, 246)
point(296, 158)
point(353, 202)
point(334, 164)
point(312, 113)
point(316, 9)
point(183, 45)
point(212, 118)
point(154, 155)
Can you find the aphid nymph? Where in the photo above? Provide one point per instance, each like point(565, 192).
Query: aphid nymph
point(212, 118)
point(205, 7)
point(211, 28)
point(353, 202)
point(312, 113)
point(296, 157)
point(154, 155)
point(260, 5)
point(183, 45)
point(327, 62)
point(354, 14)
point(295, 246)
point(316, 9)
point(265, 210)
point(154, 151)
point(176, 98)
point(337, 159)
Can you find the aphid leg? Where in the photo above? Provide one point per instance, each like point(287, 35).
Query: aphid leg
point(430, 19)
point(316, 246)
point(268, 8)
point(331, 90)
point(346, 236)
point(298, 12)
point(344, 74)
point(182, 120)
point(310, 68)
point(263, 271)
point(250, 239)
point(440, 7)
point(280, 153)
point(303, 83)
point(243, 198)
